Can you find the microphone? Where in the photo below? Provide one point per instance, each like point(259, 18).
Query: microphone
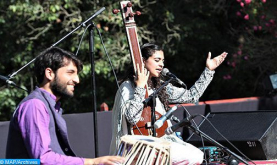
point(182, 123)
point(166, 72)
point(168, 115)
point(7, 80)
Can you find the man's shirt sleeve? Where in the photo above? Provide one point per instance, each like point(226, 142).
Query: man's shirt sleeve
point(33, 119)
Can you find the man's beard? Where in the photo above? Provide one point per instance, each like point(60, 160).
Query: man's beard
point(59, 89)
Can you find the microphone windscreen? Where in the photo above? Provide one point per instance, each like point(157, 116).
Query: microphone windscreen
point(165, 71)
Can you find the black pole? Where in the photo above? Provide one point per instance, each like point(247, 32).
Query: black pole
point(83, 24)
point(153, 98)
point(93, 84)
point(153, 116)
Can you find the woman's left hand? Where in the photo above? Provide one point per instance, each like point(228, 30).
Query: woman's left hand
point(212, 64)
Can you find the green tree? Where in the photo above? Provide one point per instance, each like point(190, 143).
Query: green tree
point(187, 30)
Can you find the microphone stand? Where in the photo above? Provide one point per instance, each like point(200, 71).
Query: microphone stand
point(87, 22)
point(19, 87)
point(82, 24)
point(153, 98)
point(93, 84)
point(202, 134)
point(11, 83)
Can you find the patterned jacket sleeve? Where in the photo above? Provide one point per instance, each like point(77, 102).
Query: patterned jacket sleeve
point(132, 103)
point(192, 95)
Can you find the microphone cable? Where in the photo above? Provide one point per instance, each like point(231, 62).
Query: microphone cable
point(225, 138)
point(118, 86)
point(125, 104)
point(194, 123)
point(81, 40)
point(111, 65)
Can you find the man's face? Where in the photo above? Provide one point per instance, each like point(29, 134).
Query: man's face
point(65, 79)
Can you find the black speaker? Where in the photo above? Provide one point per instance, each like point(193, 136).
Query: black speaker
point(253, 133)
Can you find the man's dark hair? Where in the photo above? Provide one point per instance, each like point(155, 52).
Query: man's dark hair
point(54, 58)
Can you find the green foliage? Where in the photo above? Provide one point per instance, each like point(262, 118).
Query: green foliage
point(187, 30)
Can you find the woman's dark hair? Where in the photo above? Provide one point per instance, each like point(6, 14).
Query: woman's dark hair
point(147, 50)
point(54, 58)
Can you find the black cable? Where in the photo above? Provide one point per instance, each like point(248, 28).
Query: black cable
point(225, 138)
point(111, 65)
point(194, 123)
point(81, 40)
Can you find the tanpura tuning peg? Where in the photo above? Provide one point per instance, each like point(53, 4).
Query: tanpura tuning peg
point(129, 4)
point(115, 11)
point(136, 13)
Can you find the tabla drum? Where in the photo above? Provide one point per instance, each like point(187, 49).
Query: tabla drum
point(144, 150)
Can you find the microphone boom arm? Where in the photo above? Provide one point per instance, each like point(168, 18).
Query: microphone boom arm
point(85, 23)
point(154, 94)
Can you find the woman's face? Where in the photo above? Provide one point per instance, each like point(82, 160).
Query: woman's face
point(155, 63)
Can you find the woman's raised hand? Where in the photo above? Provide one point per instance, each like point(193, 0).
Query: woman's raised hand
point(142, 76)
point(212, 64)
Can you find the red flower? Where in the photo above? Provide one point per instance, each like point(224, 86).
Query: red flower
point(233, 64)
point(247, 2)
point(272, 21)
point(242, 4)
point(246, 17)
point(227, 77)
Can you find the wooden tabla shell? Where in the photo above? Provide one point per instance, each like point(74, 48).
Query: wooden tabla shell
point(144, 150)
